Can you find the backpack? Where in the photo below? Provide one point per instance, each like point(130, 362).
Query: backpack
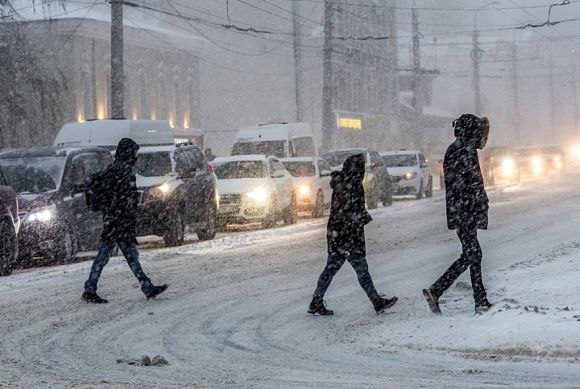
point(98, 191)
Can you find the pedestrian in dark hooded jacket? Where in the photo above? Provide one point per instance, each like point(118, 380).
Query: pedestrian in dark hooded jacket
point(346, 237)
point(120, 223)
point(467, 208)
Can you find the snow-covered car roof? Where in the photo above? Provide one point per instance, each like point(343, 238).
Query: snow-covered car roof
point(344, 150)
point(39, 152)
point(235, 158)
point(299, 159)
point(155, 149)
point(399, 152)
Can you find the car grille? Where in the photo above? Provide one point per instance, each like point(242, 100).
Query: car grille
point(395, 179)
point(230, 203)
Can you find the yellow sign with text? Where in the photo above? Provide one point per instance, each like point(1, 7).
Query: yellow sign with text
point(351, 123)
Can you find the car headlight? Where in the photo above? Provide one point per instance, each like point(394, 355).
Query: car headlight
point(537, 165)
point(42, 215)
point(259, 195)
point(158, 192)
point(304, 190)
point(410, 176)
point(508, 167)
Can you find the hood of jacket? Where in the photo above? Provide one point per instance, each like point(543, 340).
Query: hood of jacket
point(471, 130)
point(353, 169)
point(127, 151)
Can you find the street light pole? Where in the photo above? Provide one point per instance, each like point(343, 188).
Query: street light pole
point(117, 63)
point(476, 55)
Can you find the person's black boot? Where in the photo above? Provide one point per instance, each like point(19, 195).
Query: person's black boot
point(93, 298)
point(381, 304)
point(157, 290)
point(483, 307)
point(432, 300)
point(317, 306)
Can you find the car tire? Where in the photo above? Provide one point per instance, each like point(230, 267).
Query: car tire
point(388, 199)
point(175, 235)
point(66, 247)
point(8, 248)
point(419, 194)
point(209, 232)
point(318, 210)
point(291, 214)
point(429, 191)
point(271, 218)
point(373, 199)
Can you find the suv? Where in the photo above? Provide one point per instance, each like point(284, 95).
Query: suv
point(311, 183)
point(377, 182)
point(255, 188)
point(410, 172)
point(49, 183)
point(9, 223)
point(499, 164)
point(556, 157)
point(178, 189)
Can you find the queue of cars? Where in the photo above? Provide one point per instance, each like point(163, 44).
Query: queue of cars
point(43, 211)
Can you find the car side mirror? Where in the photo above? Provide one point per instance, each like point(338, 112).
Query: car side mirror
point(325, 173)
point(278, 174)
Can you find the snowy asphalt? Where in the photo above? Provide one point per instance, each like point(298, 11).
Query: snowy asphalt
point(235, 313)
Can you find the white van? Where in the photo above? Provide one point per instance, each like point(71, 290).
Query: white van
point(107, 133)
point(282, 140)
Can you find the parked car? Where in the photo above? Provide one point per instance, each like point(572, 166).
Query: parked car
point(531, 161)
point(377, 181)
point(178, 189)
point(311, 183)
point(255, 188)
point(9, 225)
point(49, 183)
point(555, 156)
point(410, 173)
point(499, 164)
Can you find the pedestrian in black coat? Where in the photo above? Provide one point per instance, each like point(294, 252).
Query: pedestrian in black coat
point(120, 223)
point(345, 235)
point(467, 208)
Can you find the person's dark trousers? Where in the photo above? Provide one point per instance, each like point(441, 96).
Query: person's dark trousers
point(470, 258)
point(130, 253)
point(333, 265)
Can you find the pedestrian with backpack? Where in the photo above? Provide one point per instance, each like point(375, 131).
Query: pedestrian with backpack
point(467, 208)
point(114, 192)
point(346, 236)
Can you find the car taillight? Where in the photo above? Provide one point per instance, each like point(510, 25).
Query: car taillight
point(211, 168)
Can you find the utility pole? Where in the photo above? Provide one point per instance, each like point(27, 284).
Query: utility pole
point(117, 66)
point(574, 94)
point(416, 101)
point(552, 97)
point(297, 60)
point(475, 57)
point(328, 117)
point(516, 93)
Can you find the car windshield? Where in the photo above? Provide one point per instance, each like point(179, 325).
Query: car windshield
point(400, 160)
point(275, 148)
point(239, 169)
point(301, 169)
point(34, 174)
point(153, 164)
point(304, 147)
point(337, 158)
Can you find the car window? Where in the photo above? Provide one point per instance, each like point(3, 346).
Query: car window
point(400, 160)
point(323, 165)
point(196, 158)
point(376, 159)
point(278, 166)
point(239, 169)
point(422, 159)
point(300, 168)
point(83, 166)
point(153, 164)
point(182, 164)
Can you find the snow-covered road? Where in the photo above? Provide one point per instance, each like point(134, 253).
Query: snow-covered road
point(235, 313)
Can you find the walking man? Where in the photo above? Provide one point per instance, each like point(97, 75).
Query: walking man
point(345, 236)
point(467, 207)
point(120, 223)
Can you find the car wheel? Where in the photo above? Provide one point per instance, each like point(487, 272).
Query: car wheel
point(291, 214)
point(373, 198)
point(210, 230)
point(8, 248)
point(318, 210)
point(270, 219)
point(388, 198)
point(66, 247)
point(175, 235)
point(420, 191)
point(429, 191)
